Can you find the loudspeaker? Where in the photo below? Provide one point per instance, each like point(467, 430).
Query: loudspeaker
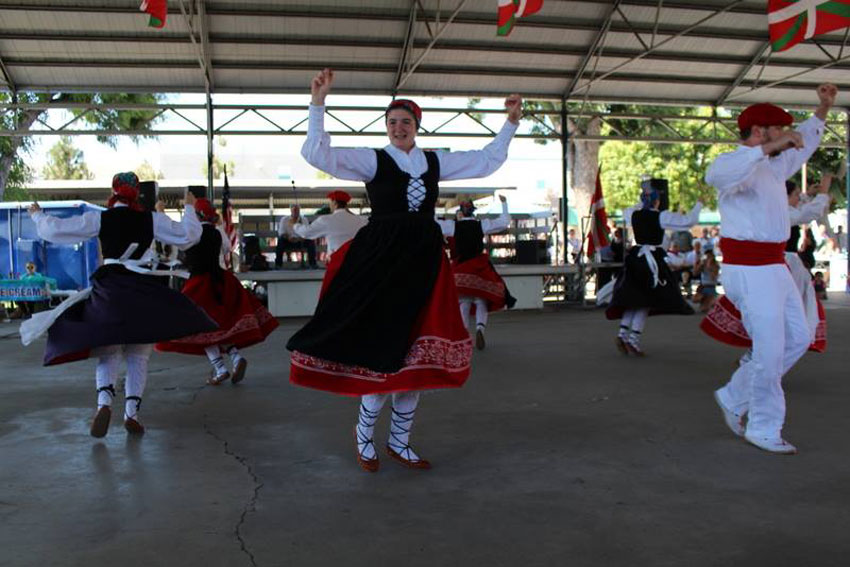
point(531, 252)
point(199, 191)
point(662, 187)
point(148, 194)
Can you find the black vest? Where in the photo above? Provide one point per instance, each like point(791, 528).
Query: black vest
point(388, 189)
point(646, 225)
point(122, 226)
point(203, 257)
point(469, 239)
point(794, 242)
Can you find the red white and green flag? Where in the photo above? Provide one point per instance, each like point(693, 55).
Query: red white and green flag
point(158, 10)
point(792, 21)
point(597, 235)
point(510, 10)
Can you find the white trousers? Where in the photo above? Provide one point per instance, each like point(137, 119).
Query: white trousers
point(772, 312)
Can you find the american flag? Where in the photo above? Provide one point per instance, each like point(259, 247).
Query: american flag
point(227, 219)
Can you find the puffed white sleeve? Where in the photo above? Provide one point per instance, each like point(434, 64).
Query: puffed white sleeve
point(502, 222)
point(810, 211)
point(478, 163)
point(729, 172)
point(790, 161)
point(315, 229)
point(679, 221)
point(183, 234)
point(447, 227)
point(69, 230)
point(354, 164)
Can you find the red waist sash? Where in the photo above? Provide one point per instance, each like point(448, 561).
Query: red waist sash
point(751, 253)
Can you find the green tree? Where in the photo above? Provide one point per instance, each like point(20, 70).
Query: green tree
point(219, 164)
point(146, 172)
point(14, 173)
point(64, 161)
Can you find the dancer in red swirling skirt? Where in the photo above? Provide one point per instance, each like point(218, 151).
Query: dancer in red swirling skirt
point(242, 319)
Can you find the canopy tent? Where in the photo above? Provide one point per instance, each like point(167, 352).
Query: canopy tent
point(708, 52)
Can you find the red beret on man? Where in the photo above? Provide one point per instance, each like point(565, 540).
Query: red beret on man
point(205, 211)
point(338, 195)
point(763, 114)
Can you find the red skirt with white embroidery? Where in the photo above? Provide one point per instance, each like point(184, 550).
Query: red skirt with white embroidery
point(723, 323)
point(439, 356)
point(478, 278)
point(243, 321)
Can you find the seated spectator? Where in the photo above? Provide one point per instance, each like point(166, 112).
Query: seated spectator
point(709, 271)
point(820, 286)
point(289, 241)
point(573, 246)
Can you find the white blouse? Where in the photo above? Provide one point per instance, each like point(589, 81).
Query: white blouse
point(361, 164)
point(807, 212)
point(489, 226)
point(338, 227)
point(751, 194)
point(71, 230)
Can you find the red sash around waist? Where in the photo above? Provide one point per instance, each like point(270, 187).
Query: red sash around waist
point(751, 253)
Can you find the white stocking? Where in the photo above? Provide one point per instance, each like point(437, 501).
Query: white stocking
point(137, 376)
point(480, 313)
point(370, 409)
point(106, 373)
point(404, 408)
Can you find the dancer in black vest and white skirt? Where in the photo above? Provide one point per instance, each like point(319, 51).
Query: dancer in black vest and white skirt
point(646, 285)
point(387, 322)
point(127, 308)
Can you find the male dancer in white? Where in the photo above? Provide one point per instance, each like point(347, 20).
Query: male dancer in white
point(755, 226)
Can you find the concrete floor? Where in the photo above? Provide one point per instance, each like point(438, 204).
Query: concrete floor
point(559, 451)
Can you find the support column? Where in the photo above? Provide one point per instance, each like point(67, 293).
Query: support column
point(565, 176)
point(847, 189)
point(210, 129)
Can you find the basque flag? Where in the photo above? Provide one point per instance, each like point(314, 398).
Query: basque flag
point(158, 10)
point(510, 10)
point(792, 21)
point(597, 236)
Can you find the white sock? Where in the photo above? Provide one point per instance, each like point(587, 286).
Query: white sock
point(624, 332)
point(370, 409)
point(404, 408)
point(106, 373)
point(481, 313)
point(235, 356)
point(137, 377)
point(634, 338)
point(215, 358)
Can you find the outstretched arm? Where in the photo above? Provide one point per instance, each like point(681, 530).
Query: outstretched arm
point(483, 162)
point(69, 230)
point(354, 164)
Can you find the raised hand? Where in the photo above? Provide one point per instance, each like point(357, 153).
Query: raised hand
point(190, 198)
point(503, 199)
point(320, 86)
point(827, 93)
point(513, 104)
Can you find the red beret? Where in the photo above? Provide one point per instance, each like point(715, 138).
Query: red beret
point(407, 105)
point(339, 196)
point(763, 114)
point(206, 212)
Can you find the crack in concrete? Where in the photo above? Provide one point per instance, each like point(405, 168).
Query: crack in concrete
point(251, 506)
